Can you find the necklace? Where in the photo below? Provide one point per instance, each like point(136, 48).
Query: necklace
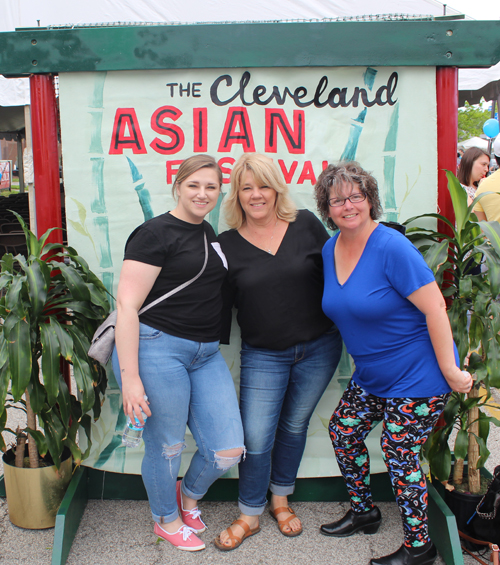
point(271, 240)
point(254, 237)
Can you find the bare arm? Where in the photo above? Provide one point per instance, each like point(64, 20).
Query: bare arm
point(429, 300)
point(481, 216)
point(136, 280)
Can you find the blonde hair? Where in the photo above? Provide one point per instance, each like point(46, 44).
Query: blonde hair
point(265, 173)
point(192, 164)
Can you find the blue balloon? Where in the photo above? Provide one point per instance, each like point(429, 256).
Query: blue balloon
point(491, 127)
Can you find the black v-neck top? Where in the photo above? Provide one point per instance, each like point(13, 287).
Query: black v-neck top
point(278, 297)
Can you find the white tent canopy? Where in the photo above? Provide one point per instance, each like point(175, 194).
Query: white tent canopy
point(33, 13)
point(474, 84)
point(14, 91)
point(474, 79)
point(475, 142)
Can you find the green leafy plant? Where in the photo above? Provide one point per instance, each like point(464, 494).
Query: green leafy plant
point(50, 305)
point(474, 315)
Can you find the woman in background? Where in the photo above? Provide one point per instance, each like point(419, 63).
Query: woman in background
point(474, 167)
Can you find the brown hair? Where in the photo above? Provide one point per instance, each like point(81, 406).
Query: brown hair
point(334, 177)
point(193, 164)
point(265, 173)
point(467, 162)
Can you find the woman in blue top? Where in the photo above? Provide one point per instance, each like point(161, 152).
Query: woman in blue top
point(392, 317)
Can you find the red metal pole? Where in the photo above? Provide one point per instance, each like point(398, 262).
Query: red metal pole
point(447, 137)
point(46, 166)
point(45, 156)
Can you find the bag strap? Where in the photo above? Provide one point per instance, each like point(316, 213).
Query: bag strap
point(496, 497)
point(489, 515)
point(180, 287)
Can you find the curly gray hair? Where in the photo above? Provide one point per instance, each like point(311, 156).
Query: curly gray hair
point(332, 180)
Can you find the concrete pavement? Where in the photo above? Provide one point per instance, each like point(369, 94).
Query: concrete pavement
point(121, 533)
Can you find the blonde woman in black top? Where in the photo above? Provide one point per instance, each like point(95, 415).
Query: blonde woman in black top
point(289, 348)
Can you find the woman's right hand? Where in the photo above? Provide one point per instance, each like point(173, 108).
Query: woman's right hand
point(134, 399)
point(459, 381)
point(136, 281)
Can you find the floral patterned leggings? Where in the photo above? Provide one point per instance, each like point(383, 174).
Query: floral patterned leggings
point(406, 424)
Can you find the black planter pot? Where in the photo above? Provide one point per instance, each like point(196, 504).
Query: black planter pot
point(463, 505)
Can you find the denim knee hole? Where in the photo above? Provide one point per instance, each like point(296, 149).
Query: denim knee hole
point(171, 451)
point(225, 463)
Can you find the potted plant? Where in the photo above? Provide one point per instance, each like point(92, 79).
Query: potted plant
point(50, 306)
point(455, 259)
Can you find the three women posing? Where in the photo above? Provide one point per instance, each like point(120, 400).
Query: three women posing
point(378, 291)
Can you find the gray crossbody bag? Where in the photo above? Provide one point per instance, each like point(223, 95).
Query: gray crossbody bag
point(103, 341)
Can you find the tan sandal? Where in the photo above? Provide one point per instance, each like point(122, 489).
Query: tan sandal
point(236, 541)
point(282, 523)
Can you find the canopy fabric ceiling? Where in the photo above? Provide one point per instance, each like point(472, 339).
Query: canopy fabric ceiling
point(474, 84)
point(11, 119)
point(33, 13)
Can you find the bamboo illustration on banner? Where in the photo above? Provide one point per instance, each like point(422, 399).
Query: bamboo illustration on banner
point(97, 159)
point(136, 127)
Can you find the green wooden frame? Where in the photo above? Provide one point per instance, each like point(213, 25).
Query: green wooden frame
point(89, 483)
point(305, 44)
point(435, 43)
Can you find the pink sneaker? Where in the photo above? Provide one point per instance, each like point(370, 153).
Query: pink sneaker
point(184, 538)
point(190, 517)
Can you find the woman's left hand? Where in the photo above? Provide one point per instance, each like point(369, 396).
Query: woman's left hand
point(459, 381)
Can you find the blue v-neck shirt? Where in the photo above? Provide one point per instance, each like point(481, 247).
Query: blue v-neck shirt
point(384, 332)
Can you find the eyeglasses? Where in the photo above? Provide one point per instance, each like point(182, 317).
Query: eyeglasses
point(353, 199)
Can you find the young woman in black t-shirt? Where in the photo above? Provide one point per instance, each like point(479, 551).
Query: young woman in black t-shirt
point(167, 360)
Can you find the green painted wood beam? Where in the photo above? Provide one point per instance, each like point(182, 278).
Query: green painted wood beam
point(117, 486)
point(69, 516)
point(304, 44)
point(443, 528)
point(442, 523)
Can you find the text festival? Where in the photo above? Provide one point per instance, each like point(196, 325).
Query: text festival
point(237, 130)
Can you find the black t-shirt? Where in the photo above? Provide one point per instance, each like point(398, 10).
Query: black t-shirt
point(278, 297)
point(177, 247)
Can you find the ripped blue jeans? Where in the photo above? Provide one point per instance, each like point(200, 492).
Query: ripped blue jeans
point(186, 382)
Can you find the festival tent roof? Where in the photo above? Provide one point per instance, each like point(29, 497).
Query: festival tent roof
point(33, 13)
point(14, 95)
point(55, 13)
point(474, 84)
point(14, 91)
point(475, 142)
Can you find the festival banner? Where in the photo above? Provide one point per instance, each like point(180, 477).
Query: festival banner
point(124, 135)
point(5, 175)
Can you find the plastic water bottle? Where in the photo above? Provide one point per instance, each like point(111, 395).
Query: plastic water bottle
point(132, 435)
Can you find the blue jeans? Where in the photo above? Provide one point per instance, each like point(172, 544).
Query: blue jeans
point(186, 383)
point(279, 391)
